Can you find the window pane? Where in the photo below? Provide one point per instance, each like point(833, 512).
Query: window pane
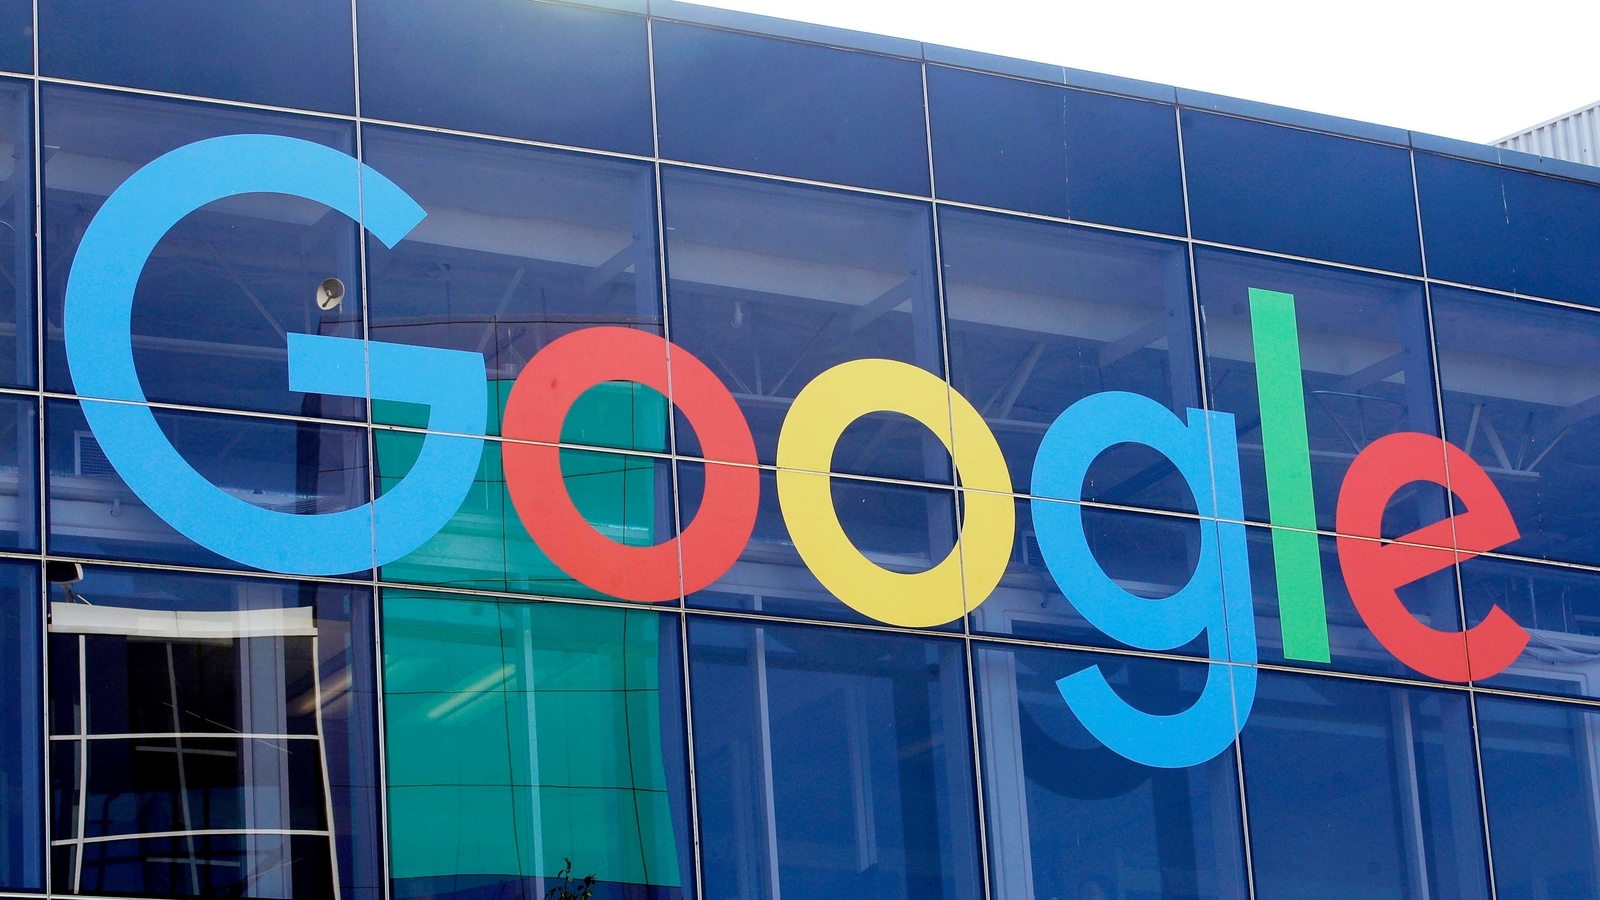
point(1521, 386)
point(1431, 600)
point(1365, 372)
point(1362, 789)
point(1068, 817)
point(1299, 192)
point(486, 544)
point(288, 663)
point(1043, 315)
point(1148, 555)
point(520, 247)
point(1538, 783)
point(786, 108)
point(16, 36)
point(899, 527)
point(1045, 149)
point(292, 467)
point(832, 763)
point(286, 53)
point(771, 284)
point(17, 300)
point(522, 735)
point(225, 285)
point(19, 474)
point(539, 71)
point(1516, 231)
point(1559, 607)
point(21, 767)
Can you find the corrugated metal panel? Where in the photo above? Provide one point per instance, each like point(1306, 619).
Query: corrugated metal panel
point(1574, 137)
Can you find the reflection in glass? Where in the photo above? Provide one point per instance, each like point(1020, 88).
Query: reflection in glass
point(19, 474)
point(520, 246)
point(1521, 386)
point(1559, 607)
point(1042, 315)
point(17, 301)
point(832, 763)
point(1067, 817)
point(212, 736)
point(22, 832)
point(301, 468)
point(225, 286)
point(1362, 789)
point(1540, 772)
point(522, 735)
point(1365, 366)
point(771, 284)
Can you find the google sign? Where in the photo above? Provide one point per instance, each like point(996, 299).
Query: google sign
point(1202, 447)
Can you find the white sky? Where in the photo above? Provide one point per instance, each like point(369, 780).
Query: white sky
point(1469, 69)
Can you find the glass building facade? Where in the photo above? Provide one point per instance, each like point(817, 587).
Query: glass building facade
point(734, 626)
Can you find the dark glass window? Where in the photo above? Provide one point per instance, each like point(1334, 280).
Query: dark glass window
point(786, 108)
point(1432, 600)
point(222, 288)
point(1299, 192)
point(520, 246)
point(521, 735)
point(17, 300)
point(1067, 817)
point(832, 763)
point(1515, 231)
point(540, 71)
point(1560, 608)
point(16, 35)
point(900, 527)
point(21, 766)
point(1046, 149)
point(287, 53)
point(182, 704)
point(1365, 372)
point(771, 284)
point(19, 474)
point(1362, 789)
point(1148, 555)
point(1042, 315)
point(1521, 387)
point(298, 467)
point(1538, 784)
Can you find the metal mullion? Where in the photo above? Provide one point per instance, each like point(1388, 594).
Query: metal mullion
point(83, 761)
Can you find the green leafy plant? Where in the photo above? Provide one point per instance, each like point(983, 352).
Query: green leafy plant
point(571, 888)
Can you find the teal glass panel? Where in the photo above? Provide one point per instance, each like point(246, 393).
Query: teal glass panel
point(524, 735)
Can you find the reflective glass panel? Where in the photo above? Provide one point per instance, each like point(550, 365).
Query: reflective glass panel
point(1299, 192)
point(1539, 776)
point(524, 737)
point(1046, 149)
point(832, 763)
point(1365, 372)
point(186, 704)
point(1521, 386)
point(541, 71)
point(771, 284)
point(1362, 789)
point(1431, 600)
point(520, 247)
point(16, 36)
point(1067, 817)
point(765, 105)
point(19, 474)
point(223, 288)
point(287, 53)
point(899, 527)
point(21, 765)
point(1148, 555)
point(1042, 315)
point(1560, 609)
point(291, 467)
point(1515, 231)
point(17, 301)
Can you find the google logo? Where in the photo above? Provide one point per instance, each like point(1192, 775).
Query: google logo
point(1202, 446)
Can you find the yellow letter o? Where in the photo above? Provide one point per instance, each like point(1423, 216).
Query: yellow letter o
point(819, 416)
